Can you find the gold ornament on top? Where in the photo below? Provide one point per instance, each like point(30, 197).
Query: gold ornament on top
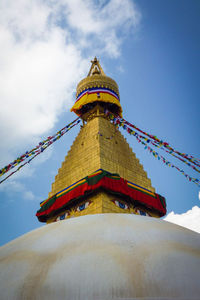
point(97, 78)
point(97, 88)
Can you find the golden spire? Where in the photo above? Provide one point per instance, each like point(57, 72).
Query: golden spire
point(99, 149)
point(97, 88)
point(100, 146)
point(96, 65)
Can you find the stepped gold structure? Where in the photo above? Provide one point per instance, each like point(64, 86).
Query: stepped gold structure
point(99, 146)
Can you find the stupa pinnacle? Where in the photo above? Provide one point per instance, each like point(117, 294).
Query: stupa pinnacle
point(100, 173)
point(97, 87)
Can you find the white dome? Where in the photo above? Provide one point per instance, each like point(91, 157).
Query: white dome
point(105, 256)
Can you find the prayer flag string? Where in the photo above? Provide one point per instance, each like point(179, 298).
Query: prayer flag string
point(160, 143)
point(166, 162)
point(43, 145)
point(157, 141)
point(143, 140)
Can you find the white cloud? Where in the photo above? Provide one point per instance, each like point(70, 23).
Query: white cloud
point(105, 20)
point(28, 195)
point(43, 45)
point(190, 219)
point(14, 188)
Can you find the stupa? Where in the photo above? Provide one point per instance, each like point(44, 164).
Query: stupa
point(116, 247)
point(100, 174)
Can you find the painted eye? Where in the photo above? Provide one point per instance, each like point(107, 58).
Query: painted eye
point(121, 204)
point(62, 217)
point(142, 213)
point(83, 206)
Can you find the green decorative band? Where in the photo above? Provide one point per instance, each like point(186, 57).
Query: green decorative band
point(100, 179)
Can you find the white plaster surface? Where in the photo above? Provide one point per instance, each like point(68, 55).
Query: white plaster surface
point(105, 256)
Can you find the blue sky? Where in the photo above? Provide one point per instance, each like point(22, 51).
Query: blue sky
point(150, 47)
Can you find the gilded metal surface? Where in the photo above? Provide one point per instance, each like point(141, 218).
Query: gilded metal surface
point(97, 80)
point(99, 145)
point(97, 111)
point(95, 68)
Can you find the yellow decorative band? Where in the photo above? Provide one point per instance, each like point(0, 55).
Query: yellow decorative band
point(100, 97)
point(140, 188)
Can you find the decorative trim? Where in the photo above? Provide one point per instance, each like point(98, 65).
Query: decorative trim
point(101, 179)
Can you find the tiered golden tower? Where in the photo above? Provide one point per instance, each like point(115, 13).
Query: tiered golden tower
point(99, 150)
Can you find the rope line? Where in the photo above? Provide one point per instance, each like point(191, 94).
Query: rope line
point(41, 147)
point(145, 141)
point(157, 141)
